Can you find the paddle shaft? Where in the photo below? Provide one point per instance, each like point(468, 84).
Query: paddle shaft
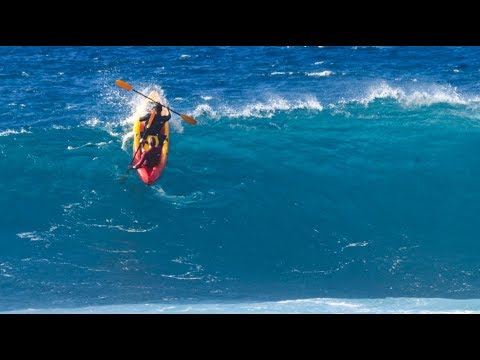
point(123, 177)
point(133, 159)
point(144, 132)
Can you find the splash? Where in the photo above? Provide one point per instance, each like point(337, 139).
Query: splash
point(32, 235)
point(321, 73)
point(281, 73)
point(259, 109)
point(89, 144)
point(13, 132)
point(425, 95)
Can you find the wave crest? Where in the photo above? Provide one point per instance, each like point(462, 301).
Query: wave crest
point(320, 73)
point(259, 109)
point(423, 96)
point(13, 132)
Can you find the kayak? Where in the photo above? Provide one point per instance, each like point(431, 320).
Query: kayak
point(149, 176)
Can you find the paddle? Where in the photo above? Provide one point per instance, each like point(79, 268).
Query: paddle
point(124, 176)
point(127, 86)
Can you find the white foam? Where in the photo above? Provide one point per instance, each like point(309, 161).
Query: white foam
point(109, 127)
point(121, 228)
point(294, 306)
point(180, 201)
point(204, 109)
point(89, 144)
point(206, 98)
point(281, 73)
point(184, 56)
point(91, 122)
point(60, 127)
point(4, 269)
point(419, 96)
point(259, 109)
point(12, 132)
point(139, 106)
point(360, 244)
point(32, 235)
point(318, 62)
point(321, 73)
point(176, 125)
point(126, 139)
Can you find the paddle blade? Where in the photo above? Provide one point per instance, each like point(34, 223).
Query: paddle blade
point(188, 119)
point(123, 85)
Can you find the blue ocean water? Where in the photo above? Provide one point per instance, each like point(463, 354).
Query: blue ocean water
point(315, 176)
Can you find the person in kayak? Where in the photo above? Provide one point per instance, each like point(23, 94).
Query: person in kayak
point(151, 157)
point(157, 123)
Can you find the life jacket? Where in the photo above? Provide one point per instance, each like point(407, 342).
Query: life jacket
point(158, 122)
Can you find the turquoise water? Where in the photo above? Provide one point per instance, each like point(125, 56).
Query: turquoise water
point(346, 173)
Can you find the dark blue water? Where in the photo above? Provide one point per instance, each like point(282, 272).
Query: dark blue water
point(339, 173)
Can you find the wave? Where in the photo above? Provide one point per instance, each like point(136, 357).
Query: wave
point(299, 306)
point(421, 95)
point(91, 122)
point(15, 104)
point(32, 235)
point(45, 235)
point(259, 109)
point(416, 95)
point(195, 199)
point(110, 127)
point(5, 269)
point(122, 228)
point(13, 132)
point(281, 73)
point(321, 73)
point(60, 127)
point(89, 144)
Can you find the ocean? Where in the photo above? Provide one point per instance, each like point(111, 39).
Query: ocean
point(317, 180)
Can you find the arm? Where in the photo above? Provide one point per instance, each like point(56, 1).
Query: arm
point(145, 117)
point(141, 161)
point(147, 125)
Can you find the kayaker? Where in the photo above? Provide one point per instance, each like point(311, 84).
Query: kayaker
point(157, 123)
point(151, 157)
